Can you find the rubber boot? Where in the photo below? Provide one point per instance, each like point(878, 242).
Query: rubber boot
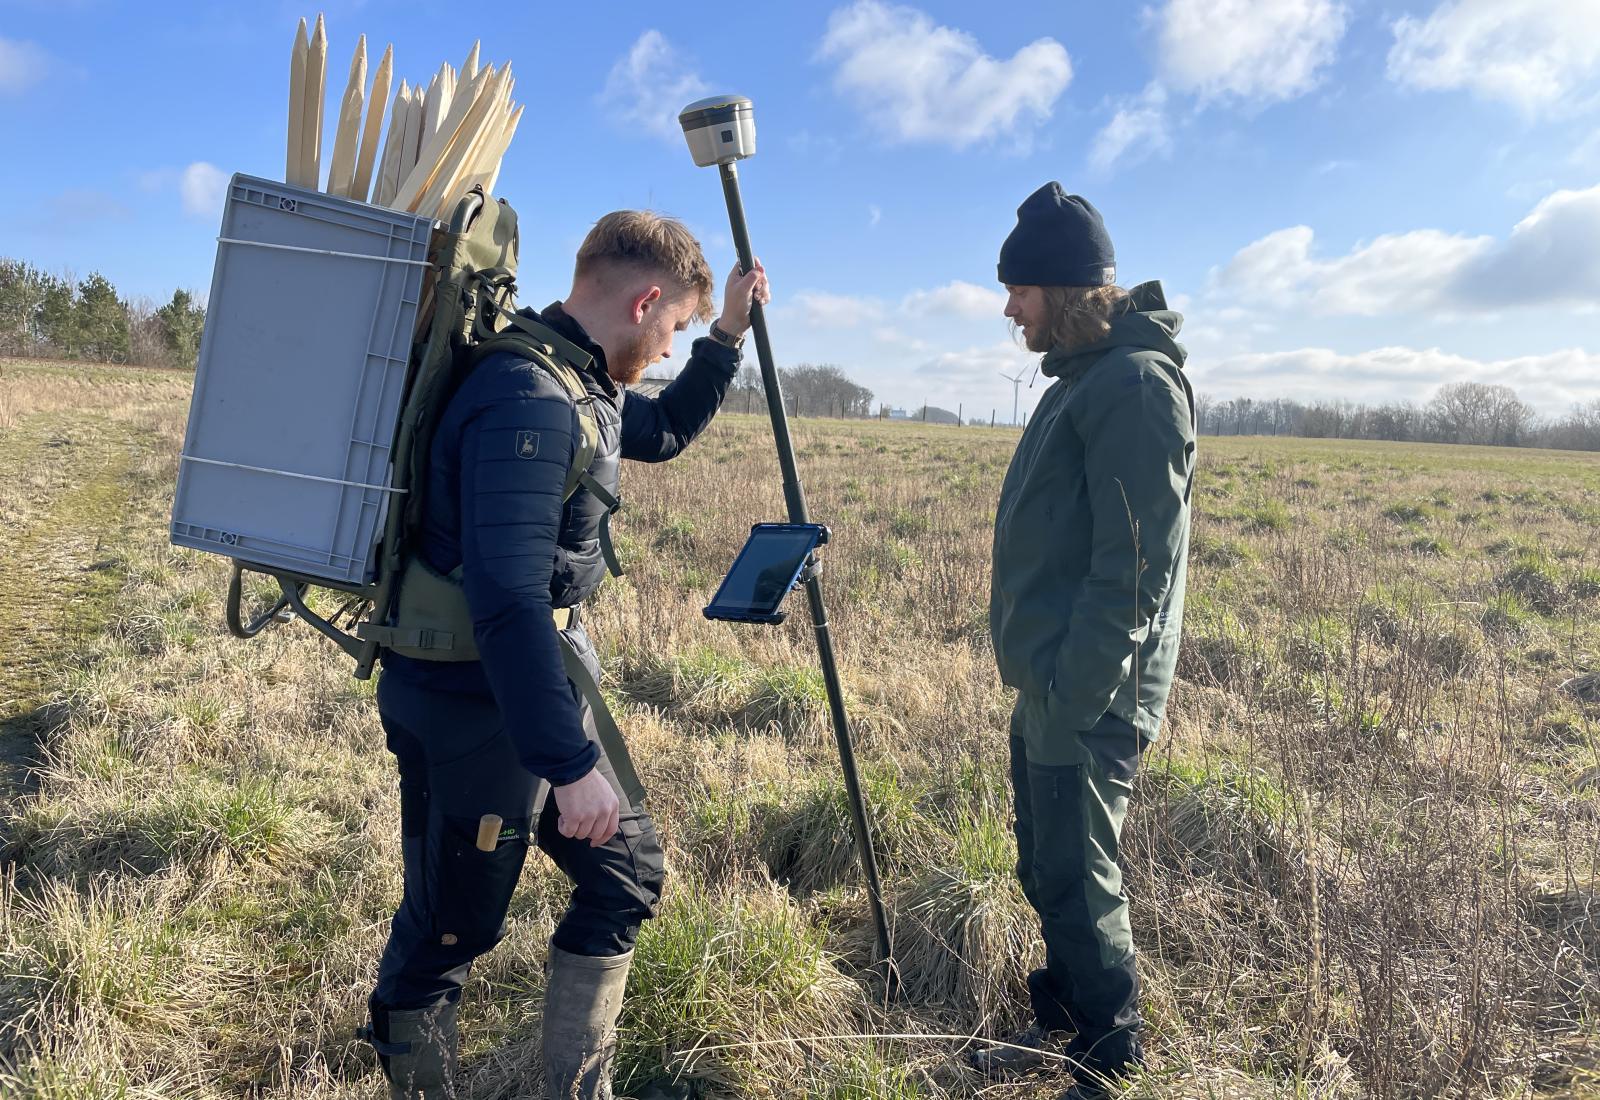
point(582, 998)
point(417, 1049)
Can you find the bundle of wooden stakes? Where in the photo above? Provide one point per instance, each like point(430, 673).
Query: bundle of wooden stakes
point(442, 140)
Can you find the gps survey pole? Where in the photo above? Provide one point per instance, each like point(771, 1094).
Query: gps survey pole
point(720, 131)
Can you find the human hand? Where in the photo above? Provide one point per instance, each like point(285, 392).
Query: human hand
point(589, 809)
point(743, 288)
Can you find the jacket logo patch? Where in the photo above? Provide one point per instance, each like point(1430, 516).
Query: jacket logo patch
point(527, 444)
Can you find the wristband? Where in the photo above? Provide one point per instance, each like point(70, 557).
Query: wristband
point(726, 339)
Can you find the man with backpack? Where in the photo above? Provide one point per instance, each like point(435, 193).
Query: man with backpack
point(1086, 605)
point(488, 694)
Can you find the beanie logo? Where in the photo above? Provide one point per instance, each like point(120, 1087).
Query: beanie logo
point(1108, 276)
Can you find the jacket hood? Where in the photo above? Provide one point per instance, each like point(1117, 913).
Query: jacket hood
point(1147, 324)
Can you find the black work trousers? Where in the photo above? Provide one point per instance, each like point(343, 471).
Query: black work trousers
point(457, 764)
point(1068, 823)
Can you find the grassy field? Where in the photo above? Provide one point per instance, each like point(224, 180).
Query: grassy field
point(1362, 859)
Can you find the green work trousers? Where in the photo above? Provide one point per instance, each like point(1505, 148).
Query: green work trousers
point(1068, 823)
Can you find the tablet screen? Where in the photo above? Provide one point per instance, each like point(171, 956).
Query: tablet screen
point(765, 569)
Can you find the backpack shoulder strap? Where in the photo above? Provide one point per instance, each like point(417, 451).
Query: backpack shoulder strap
point(551, 351)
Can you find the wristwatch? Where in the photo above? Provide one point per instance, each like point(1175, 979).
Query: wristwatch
point(726, 339)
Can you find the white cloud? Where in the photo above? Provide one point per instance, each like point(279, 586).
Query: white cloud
point(981, 364)
point(1138, 130)
point(874, 215)
point(22, 65)
point(921, 82)
point(1397, 271)
point(820, 309)
point(1257, 51)
point(203, 187)
point(958, 298)
point(1552, 383)
point(650, 85)
point(1531, 53)
point(1551, 257)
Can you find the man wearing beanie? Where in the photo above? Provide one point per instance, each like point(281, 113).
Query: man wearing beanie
point(1086, 604)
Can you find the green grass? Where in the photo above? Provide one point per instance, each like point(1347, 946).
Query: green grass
point(717, 970)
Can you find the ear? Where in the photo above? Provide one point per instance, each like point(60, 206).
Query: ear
point(642, 302)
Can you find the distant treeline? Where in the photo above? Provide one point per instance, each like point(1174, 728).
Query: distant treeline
point(63, 317)
point(808, 390)
point(1460, 412)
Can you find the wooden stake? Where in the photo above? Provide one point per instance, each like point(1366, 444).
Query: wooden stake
point(389, 176)
point(492, 165)
point(489, 102)
point(377, 102)
point(433, 149)
point(347, 131)
point(315, 91)
point(297, 106)
point(414, 139)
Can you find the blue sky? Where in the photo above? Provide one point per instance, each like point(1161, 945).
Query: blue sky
point(1345, 198)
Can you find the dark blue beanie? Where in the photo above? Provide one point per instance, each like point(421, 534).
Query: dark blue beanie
point(1059, 241)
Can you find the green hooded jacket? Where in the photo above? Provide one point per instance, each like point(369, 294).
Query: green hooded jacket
point(1092, 532)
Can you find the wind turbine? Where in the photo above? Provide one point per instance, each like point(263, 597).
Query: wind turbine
point(1016, 389)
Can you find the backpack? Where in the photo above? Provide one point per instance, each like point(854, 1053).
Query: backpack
point(409, 607)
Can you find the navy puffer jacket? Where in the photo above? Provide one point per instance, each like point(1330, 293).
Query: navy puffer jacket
point(498, 464)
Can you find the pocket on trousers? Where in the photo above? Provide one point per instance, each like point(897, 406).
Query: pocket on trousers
point(646, 854)
point(473, 888)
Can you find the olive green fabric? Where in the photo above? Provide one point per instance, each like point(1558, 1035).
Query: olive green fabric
point(1080, 847)
point(1092, 532)
point(1068, 826)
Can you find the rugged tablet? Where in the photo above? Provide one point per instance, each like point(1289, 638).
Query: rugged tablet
point(765, 570)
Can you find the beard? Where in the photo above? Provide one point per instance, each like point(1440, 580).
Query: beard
point(629, 362)
point(1036, 338)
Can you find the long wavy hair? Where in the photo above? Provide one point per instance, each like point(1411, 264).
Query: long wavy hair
point(1081, 315)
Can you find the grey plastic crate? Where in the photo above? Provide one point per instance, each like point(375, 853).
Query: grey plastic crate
point(301, 373)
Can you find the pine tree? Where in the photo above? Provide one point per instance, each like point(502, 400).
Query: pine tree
point(55, 321)
point(103, 320)
point(182, 320)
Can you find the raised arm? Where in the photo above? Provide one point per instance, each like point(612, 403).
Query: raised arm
point(656, 429)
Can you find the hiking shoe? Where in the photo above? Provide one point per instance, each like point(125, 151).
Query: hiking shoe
point(1015, 1053)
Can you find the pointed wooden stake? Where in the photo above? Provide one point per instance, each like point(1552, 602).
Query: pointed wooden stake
point(361, 185)
point(297, 106)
